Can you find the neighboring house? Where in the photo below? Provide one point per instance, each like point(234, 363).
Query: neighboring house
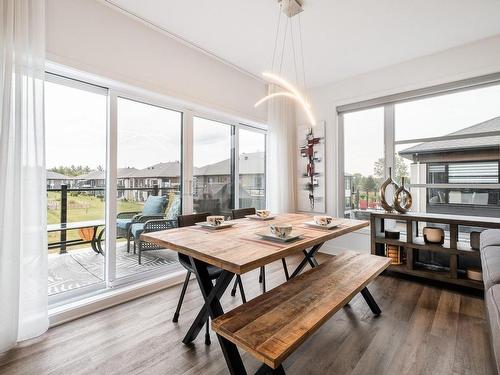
point(92, 180)
point(163, 175)
point(212, 183)
point(97, 180)
point(55, 180)
point(460, 161)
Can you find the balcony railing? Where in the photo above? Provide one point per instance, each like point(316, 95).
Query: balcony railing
point(64, 206)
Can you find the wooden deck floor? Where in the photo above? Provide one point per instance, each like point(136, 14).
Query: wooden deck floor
point(423, 329)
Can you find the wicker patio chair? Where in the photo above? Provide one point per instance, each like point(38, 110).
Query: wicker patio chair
point(154, 208)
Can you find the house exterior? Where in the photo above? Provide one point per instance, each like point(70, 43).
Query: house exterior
point(212, 188)
point(55, 180)
point(471, 164)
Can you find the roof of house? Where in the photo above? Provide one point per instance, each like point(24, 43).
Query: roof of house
point(101, 175)
point(168, 169)
point(490, 125)
point(51, 175)
point(250, 163)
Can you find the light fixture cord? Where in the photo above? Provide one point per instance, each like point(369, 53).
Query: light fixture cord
point(284, 43)
point(294, 57)
point(302, 57)
point(276, 38)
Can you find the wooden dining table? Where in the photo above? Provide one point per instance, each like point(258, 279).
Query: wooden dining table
point(238, 250)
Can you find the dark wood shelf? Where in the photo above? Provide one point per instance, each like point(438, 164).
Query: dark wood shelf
point(443, 276)
point(413, 242)
point(462, 248)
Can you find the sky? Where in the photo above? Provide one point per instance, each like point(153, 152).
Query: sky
point(76, 132)
point(147, 135)
point(430, 117)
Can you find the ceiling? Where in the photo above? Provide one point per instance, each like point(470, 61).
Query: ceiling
point(341, 38)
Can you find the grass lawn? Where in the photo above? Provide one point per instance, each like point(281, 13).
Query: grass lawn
point(81, 207)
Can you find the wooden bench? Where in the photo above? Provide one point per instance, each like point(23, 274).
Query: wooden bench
point(273, 325)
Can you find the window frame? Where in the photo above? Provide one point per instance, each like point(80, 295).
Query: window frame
point(113, 90)
point(388, 104)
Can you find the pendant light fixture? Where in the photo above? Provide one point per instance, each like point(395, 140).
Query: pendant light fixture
point(291, 9)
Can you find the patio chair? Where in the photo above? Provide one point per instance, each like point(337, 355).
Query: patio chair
point(146, 224)
point(154, 208)
point(240, 214)
point(214, 272)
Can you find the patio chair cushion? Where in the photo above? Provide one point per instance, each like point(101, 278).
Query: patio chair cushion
point(123, 223)
point(155, 205)
point(136, 229)
point(174, 209)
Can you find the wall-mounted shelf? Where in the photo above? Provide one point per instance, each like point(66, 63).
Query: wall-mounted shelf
point(412, 243)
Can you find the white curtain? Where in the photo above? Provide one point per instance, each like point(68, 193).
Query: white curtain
point(281, 155)
point(23, 236)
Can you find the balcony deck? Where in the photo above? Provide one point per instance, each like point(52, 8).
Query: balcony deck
point(83, 267)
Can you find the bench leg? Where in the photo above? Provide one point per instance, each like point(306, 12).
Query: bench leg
point(266, 370)
point(285, 269)
point(233, 291)
point(370, 301)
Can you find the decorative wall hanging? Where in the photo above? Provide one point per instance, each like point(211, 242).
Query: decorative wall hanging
point(402, 198)
point(389, 182)
point(311, 167)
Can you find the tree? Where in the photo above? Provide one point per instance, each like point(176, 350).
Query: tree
point(400, 169)
point(369, 184)
point(72, 170)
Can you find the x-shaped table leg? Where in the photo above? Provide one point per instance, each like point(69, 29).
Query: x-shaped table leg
point(308, 258)
point(212, 307)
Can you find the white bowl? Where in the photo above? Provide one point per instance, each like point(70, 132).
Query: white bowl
point(263, 213)
point(323, 219)
point(281, 230)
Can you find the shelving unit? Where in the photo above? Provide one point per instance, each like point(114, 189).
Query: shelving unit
point(412, 242)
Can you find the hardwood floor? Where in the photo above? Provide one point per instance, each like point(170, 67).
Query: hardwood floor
point(423, 329)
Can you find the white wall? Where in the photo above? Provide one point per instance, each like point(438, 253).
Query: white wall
point(91, 36)
point(467, 61)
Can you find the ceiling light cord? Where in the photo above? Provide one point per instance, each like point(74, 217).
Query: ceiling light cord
point(284, 43)
point(302, 57)
point(276, 38)
point(294, 57)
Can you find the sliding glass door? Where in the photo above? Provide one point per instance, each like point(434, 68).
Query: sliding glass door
point(213, 166)
point(115, 170)
point(252, 168)
point(75, 138)
point(148, 177)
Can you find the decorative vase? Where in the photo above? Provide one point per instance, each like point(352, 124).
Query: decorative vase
point(402, 195)
point(386, 206)
point(433, 235)
point(475, 240)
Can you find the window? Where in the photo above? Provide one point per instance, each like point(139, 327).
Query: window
point(364, 158)
point(75, 139)
point(213, 162)
point(109, 152)
point(149, 165)
point(252, 151)
point(448, 174)
point(445, 144)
